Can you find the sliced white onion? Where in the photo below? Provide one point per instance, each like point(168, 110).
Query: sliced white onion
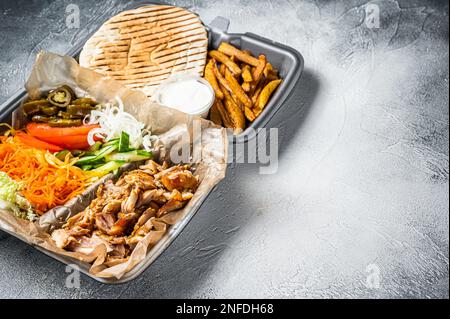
point(96, 132)
point(113, 120)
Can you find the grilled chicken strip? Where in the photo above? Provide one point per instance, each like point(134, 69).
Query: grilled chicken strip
point(129, 204)
point(105, 222)
point(149, 213)
point(123, 213)
point(179, 179)
point(172, 205)
point(123, 225)
point(112, 207)
point(151, 195)
point(140, 233)
point(62, 238)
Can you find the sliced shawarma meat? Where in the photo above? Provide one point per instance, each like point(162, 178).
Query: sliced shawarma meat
point(105, 222)
point(113, 240)
point(180, 179)
point(123, 225)
point(79, 231)
point(137, 178)
point(153, 168)
point(170, 206)
point(141, 232)
point(151, 195)
point(149, 213)
point(113, 207)
point(129, 204)
point(125, 212)
point(176, 194)
point(62, 238)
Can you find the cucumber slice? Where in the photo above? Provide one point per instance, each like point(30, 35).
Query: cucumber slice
point(87, 153)
point(124, 142)
point(95, 147)
point(95, 166)
point(133, 156)
point(108, 167)
point(86, 160)
point(111, 142)
point(144, 153)
point(106, 151)
point(99, 155)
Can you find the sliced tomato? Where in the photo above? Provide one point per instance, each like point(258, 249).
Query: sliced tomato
point(66, 137)
point(45, 130)
point(74, 142)
point(34, 142)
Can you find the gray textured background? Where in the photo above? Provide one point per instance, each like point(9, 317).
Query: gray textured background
point(363, 178)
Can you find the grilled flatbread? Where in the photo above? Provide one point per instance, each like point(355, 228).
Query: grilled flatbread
point(142, 47)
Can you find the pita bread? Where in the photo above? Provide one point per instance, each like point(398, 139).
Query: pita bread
point(142, 47)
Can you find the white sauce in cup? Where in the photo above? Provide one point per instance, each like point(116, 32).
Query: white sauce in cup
point(190, 94)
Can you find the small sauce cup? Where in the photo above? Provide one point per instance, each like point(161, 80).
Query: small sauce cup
point(187, 93)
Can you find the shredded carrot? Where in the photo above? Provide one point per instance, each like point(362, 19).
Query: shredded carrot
point(46, 181)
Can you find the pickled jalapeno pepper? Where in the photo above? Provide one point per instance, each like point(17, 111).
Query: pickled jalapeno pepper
point(41, 119)
point(50, 110)
point(68, 116)
point(34, 106)
point(84, 100)
point(65, 122)
point(61, 108)
point(80, 109)
point(61, 97)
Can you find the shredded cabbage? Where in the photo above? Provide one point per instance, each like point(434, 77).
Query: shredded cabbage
point(113, 120)
point(12, 201)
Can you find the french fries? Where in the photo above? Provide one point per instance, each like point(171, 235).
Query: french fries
point(268, 70)
point(235, 114)
point(222, 58)
point(265, 95)
point(270, 73)
point(226, 121)
point(249, 114)
point(220, 78)
point(247, 87)
point(209, 76)
point(237, 90)
point(259, 70)
point(256, 94)
point(237, 101)
point(222, 69)
point(230, 50)
point(214, 114)
point(243, 84)
point(247, 74)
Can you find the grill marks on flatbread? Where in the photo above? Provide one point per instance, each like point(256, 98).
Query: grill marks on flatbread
point(143, 47)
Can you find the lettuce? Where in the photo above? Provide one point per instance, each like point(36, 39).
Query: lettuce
point(11, 200)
